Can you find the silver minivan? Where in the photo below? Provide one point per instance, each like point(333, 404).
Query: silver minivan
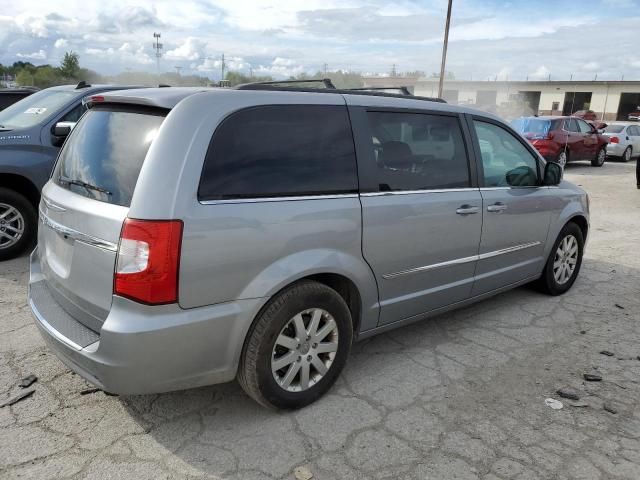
point(192, 236)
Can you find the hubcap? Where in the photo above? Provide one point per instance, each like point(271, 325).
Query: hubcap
point(562, 159)
point(627, 155)
point(566, 259)
point(11, 225)
point(601, 155)
point(304, 350)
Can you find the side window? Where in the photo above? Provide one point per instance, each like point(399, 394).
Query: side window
point(75, 114)
point(570, 125)
point(584, 126)
point(280, 150)
point(506, 162)
point(415, 151)
point(633, 131)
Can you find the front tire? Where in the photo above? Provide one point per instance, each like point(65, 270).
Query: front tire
point(600, 157)
point(564, 262)
point(297, 347)
point(18, 223)
point(626, 155)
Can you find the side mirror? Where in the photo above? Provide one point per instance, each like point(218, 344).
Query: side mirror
point(61, 131)
point(552, 174)
point(521, 176)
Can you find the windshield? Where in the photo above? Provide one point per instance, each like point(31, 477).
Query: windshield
point(532, 125)
point(34, 109)
point(614, 128)
point(103, 155)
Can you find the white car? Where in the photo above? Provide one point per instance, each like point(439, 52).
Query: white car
point(624, 140)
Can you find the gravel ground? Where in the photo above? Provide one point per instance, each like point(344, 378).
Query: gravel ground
point(459, 397)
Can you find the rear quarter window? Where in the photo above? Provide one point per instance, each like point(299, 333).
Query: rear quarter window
point(280, 150)
point(103, 155)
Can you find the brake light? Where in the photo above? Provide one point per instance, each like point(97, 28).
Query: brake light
point(148, 261)
point(613, 139)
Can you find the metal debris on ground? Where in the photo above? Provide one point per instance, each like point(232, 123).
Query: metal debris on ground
point(28, 381)
point(567, 392)
point(619, 306)
point(302, 473)
point(592, 377)
point(610, 408)
point(20, 396)
point(553, 403)
point(579, 404)
point(607, 353)
point(88, 391)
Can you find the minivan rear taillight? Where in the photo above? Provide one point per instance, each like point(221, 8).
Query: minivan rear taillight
point(148, 261)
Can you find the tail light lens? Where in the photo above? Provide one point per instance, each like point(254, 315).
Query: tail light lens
point(614, 139)
point(148, 261)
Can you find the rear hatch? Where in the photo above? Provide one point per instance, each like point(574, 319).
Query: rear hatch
point(85, 203)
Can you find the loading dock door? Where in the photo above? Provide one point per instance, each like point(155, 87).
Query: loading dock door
point(574, 101)
point(629, 102)
point(532, 100)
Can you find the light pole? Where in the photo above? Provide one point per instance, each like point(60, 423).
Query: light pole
point(158, 48)
point(444, 50)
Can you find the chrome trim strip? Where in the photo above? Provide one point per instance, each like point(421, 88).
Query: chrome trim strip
point(495, 253)
point(489, 189)
point(461, 261)
point(53, 206)
point(278, 199)
point(50, 330)
point(76, 235)
point(412, 192)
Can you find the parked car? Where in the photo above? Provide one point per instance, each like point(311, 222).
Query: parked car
point(564, 139)
point(9, 96)
point(635, 115)
point(624, 140)
point(189, 237)
point(31, 133)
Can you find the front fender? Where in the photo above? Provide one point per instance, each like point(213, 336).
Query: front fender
point(299, 265)
point(574, 206)
point(28, 161)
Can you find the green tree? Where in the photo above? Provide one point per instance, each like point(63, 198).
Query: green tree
point(238, 78)
point(24, 78)
point(70, 65)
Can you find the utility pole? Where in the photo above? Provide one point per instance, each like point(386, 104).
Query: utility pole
point(393, 70)
point(222, 65)
point(444, 50)
point(178, 69)
point(158, 48)
point(325, 69)
point(250, 71)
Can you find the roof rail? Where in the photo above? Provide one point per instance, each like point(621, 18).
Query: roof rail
point(328, 84)
point(82, 84)
point(403, 90)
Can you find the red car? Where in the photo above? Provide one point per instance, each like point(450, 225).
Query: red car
point(564, 139)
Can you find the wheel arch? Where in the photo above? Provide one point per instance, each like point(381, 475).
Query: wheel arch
point(22, 185)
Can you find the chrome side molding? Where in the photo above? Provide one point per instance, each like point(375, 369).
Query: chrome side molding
point(76, 235)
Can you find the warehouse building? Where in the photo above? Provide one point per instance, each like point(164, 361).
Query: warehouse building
point(611, 100)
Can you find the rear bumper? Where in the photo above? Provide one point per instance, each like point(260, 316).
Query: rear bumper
point(142, 349)
point(615, 149)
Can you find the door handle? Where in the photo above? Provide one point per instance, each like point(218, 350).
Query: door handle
point(467, 210)
point(497, 207)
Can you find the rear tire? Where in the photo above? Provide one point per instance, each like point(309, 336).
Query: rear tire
point(287, 334)
point(600, 157)
point(18, 223)
point(626, 155)
point(563, 266)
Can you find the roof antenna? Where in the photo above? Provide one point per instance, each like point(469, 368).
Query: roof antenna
point(82, 84)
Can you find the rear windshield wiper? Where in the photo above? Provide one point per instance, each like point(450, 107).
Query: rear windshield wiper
point(80, 183)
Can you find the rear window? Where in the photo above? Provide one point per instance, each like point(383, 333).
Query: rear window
point(532, 125)
point(104, 154)
point(614, 128)
point(280, 150)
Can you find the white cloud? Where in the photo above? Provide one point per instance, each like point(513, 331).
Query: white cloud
point(191, 49)
point(39, 55)
point(541, 73)
point(61, 43)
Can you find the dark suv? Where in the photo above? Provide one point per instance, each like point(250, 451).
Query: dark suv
point(31, 133)
point(9, 96)
point(564, 139)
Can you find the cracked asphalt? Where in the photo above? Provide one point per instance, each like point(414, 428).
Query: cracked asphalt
point(460, 397)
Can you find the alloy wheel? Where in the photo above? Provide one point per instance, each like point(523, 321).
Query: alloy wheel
point(11, 225)
point(602, 154)
point(562, 159)
point(627, 154)
point(566, 259)
point(304, 350)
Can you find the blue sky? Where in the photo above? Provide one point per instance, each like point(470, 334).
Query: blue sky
point(512, 39)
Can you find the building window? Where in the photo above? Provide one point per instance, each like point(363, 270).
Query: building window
point(555, 106)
